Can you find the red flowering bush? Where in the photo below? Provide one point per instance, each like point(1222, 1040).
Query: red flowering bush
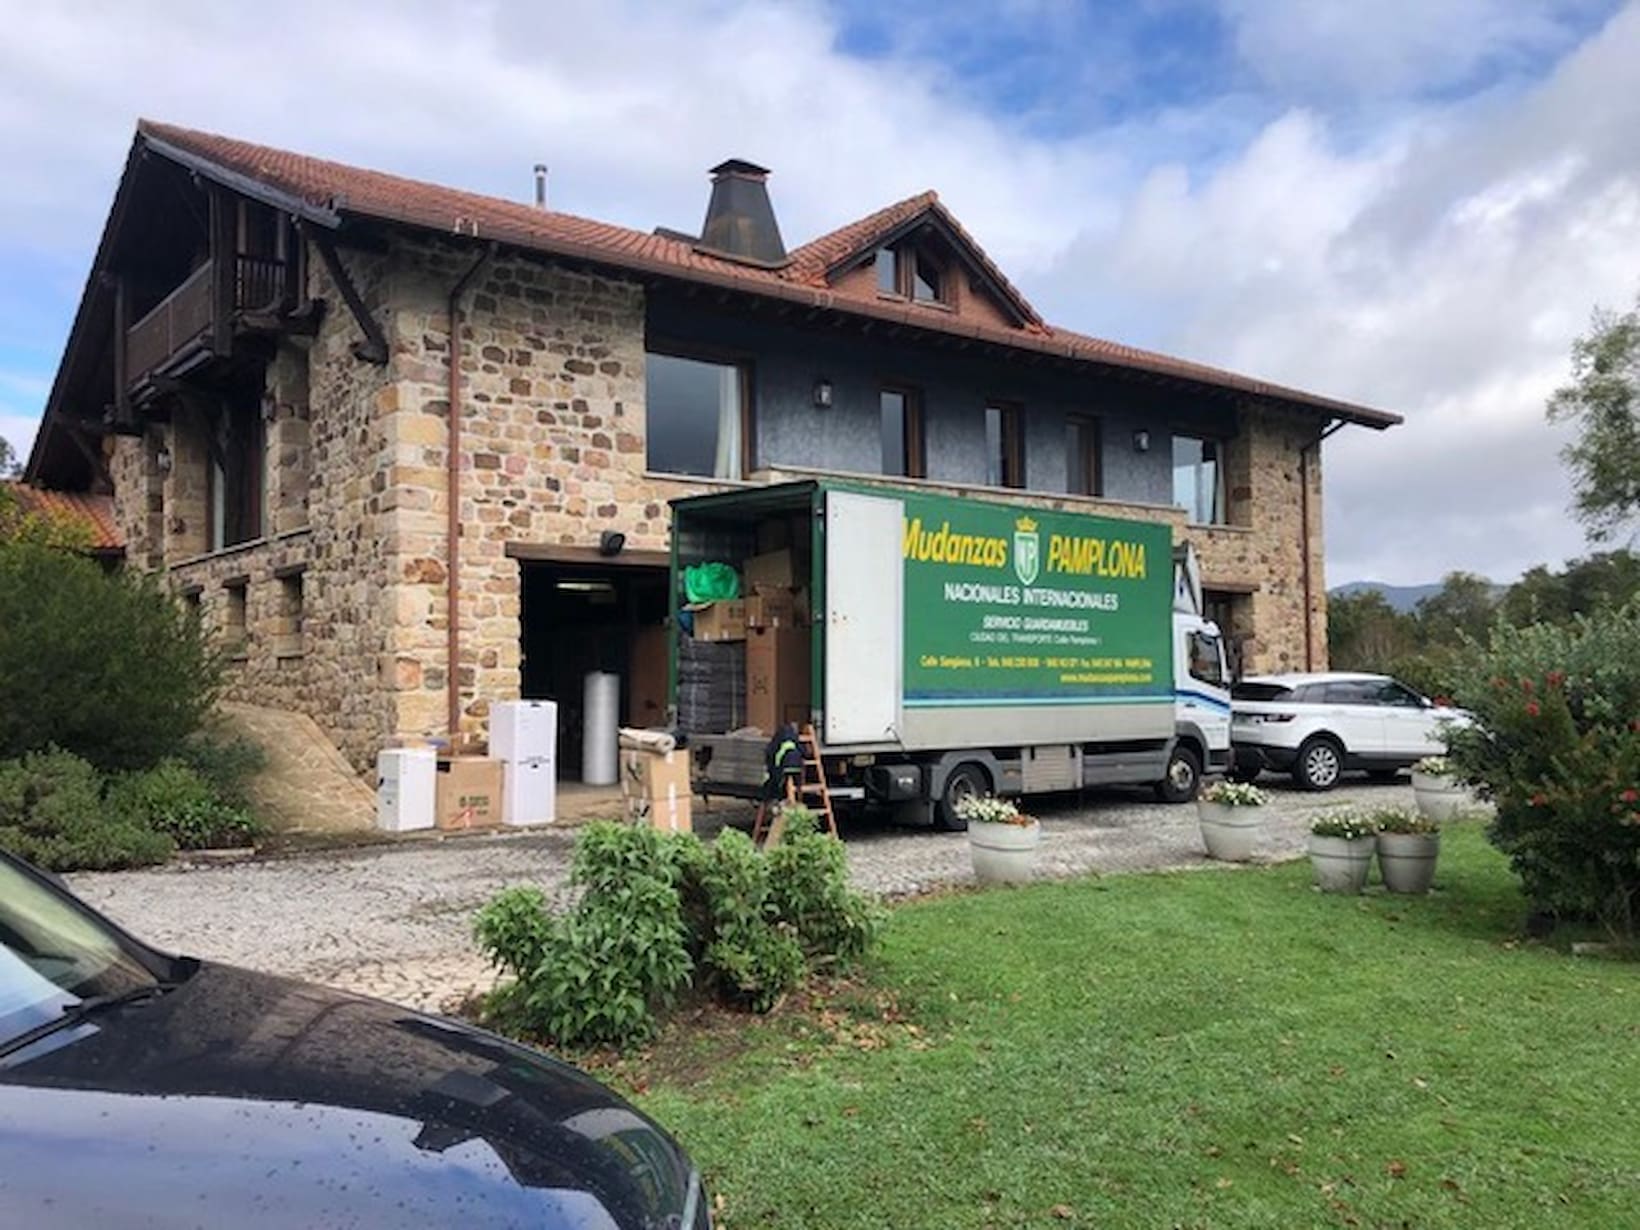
point(1556, 745)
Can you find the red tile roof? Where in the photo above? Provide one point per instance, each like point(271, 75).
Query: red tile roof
point(95, 512)
point(336, 190)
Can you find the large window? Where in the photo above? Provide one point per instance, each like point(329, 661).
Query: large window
point(696, 410)
point(902, 433)
point(1084, 469)
point(1198, 479)
point(234, 484)
point(1004, 446)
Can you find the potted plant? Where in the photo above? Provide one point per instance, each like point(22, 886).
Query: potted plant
point(1231, 816)
point(1435, 786)
point(1002, 841)
point(1341, 849)
point(1408, 845)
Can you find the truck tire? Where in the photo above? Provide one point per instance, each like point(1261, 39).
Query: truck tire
point(1183, 776)
point(1320, 763)
point(966, 781)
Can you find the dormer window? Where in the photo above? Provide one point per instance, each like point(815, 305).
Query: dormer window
point(910, 274)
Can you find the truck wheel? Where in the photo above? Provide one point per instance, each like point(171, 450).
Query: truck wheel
point(966, 781)
point(1320, 763)
point(1183, 776)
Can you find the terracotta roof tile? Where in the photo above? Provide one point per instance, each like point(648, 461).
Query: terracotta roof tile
point(348, 190)
point(95, 512)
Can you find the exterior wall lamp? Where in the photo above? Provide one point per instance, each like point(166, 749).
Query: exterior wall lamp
point(1141, 441)
point(162, 460)
point(611, 543)
point(822, 393)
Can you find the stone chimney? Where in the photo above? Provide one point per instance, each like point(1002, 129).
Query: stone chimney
point(740, 221)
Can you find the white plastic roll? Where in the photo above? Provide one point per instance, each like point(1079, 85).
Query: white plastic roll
point(602, 708)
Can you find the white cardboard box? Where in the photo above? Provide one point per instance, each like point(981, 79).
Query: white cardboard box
point(529, 791)
point(406, 789)
point(523, 730)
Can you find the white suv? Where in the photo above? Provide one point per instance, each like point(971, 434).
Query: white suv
point(1316, 726)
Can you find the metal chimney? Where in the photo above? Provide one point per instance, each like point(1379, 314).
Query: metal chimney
point(540, 185)
point(739, 218)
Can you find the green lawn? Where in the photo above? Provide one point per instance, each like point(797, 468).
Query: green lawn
point(1200, 1049)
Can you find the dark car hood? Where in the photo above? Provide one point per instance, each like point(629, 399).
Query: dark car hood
point(246, 1100)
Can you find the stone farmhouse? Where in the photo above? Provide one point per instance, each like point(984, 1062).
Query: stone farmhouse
point(408, 450)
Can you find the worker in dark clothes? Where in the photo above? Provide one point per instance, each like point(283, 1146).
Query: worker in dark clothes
point(783, 760)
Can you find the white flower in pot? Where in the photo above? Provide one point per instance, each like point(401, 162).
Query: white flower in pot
point(1231, 816)
point(1002, 840)
point(1408, 845)
point(1341, 849)
point(1439, 793)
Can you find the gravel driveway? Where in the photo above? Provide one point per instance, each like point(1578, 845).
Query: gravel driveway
point(396, 920)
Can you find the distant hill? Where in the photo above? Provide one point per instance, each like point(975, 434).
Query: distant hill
point(1402, 597)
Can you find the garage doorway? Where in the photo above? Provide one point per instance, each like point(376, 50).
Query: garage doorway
point(576, 618)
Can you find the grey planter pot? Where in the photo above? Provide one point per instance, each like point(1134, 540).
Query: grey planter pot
point(1341, 864)
point(1407, 861)
point(1439, 798)
point(1004, 853)
point(1229, 832)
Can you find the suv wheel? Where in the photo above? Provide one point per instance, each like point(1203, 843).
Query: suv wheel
point(1182, 777)
point(1320, 764)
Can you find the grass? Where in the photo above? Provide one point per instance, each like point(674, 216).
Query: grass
point(1197, 1049)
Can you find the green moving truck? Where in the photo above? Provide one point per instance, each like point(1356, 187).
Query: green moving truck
point(942, 646)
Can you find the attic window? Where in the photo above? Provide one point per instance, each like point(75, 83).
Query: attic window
point(910, 274)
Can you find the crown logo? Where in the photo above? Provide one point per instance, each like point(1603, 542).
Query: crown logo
point(1025, 525)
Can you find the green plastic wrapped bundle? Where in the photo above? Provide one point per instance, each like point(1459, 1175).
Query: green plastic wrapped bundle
point(711, 583)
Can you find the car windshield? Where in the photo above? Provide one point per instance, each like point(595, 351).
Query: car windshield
point(53, 955)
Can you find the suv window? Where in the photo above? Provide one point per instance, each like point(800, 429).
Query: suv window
point(1354, 692)
point(1399, 695)
point(1246, 690)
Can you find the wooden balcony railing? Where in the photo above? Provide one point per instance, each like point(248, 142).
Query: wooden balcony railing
point(182, 317)
point(259, 283)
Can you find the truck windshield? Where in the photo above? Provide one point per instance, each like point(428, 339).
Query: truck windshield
point(1206, 659)
point(53, 955)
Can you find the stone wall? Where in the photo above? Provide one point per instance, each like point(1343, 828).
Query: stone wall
point(139, 497)
point(552, 367)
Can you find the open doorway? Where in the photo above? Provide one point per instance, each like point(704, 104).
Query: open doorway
point(579, 618)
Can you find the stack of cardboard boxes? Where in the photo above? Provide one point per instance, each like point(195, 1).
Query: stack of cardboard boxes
point(655, 788)
point(772, 617)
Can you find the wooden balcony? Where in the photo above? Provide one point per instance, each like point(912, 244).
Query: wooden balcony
point(183, 325)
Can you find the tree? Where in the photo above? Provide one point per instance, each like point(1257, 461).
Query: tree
point(44, 529)
point(1602, 581)
point(1464, 606)
point(10, 465)
point(1603, 403)
point(1365, 633)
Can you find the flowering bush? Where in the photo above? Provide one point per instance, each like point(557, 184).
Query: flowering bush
point(1350, 825)
point(1434, 766)
point(1235, 794)
point(989, 809)
point(1400, 821)
point(1556, 746)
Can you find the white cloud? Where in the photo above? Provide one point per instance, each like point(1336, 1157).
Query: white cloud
point(1437, 262)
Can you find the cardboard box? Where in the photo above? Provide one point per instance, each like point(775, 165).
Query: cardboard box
point(671, 815)
point(468, 793)
point(720, 621)
point(647, 775)
point(771, 570)
point(771, 608)
point(777, 677)
point(646, 678)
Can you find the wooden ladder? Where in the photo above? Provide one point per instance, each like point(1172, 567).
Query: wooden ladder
point(812, 785)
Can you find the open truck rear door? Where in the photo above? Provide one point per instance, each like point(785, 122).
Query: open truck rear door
point(864, 665)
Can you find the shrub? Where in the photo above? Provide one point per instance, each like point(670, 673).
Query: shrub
point(174, 799)
point(52, 813)
point(809, 890)
point(1350, 825)
point(656, 909)
point(107, 667)
point(1556, 746)
point(227, 765)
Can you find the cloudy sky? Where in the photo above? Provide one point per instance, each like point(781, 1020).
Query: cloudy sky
point(1414, 204)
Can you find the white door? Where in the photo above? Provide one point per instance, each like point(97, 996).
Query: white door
point(1410, 728)
point(865, 618)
